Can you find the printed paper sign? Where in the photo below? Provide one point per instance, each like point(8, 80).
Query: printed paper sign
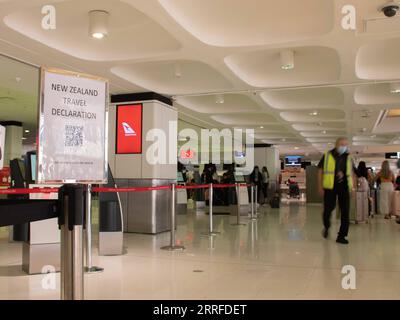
point(72, 128)
point(2, 145)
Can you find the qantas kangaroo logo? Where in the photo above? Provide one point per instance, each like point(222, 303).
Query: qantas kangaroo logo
point(129, 132)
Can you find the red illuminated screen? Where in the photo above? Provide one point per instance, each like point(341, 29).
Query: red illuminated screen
point(129, 129)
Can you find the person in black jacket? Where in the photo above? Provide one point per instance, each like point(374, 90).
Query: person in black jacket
point(257, 180)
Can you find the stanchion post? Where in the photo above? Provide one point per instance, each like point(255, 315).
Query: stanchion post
point(172, 246)
point(237, 206)
point(89, 267)
point(256, 199)
point(252, 190)
point(211, 231)
point(71, 221)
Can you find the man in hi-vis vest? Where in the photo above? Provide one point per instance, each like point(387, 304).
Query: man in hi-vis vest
point(335, 181)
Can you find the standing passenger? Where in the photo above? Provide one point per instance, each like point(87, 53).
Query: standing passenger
point(386, 178)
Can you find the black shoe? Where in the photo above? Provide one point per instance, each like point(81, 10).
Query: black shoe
point(342, 240)
point(325, 233)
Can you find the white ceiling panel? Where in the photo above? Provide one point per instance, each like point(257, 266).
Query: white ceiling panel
point(379, 60)
point(232, 23)
point(226, 103)
point(376, 94)
point(244, 119)
point(131, 34)
point(313, 115)
point(304, 98)
point(263, 68)
point(322, 134)
point(161, 76)
point(319, 126)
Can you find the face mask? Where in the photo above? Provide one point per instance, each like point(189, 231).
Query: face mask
point(341, 150)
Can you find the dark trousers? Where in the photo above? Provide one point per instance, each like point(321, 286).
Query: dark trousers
point(343, 196)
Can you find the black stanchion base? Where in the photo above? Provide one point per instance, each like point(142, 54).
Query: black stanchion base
point(173, 248)
point(93, 269)
point(210, 234)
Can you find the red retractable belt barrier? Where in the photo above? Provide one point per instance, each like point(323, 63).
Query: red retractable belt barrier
point(28, 191)
point(130, 189)
point(125, 189)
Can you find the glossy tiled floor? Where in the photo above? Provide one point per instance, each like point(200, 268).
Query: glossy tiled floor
point(280, 256)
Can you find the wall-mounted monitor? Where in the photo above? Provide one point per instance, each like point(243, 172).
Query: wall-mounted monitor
point(30, 167)
point(293, 161)
point(129, 129)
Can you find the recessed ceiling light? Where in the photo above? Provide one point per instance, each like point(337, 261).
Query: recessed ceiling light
point(314, 113)
point(98, 24)
point(324, 131)
point(177, 70)
point(27, 131)
point(219, 98)
point(261, 127)
point(296, 148)
point(287, 59)
point(23, 138)
point(395, 87)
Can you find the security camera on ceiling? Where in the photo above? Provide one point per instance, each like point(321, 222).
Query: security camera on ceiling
point(390, 9)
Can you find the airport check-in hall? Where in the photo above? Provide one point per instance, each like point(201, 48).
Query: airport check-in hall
point(200, 150)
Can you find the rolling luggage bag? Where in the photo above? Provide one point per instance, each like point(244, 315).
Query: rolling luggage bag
point(361, 207)
point(358, 207)
point(275, 202)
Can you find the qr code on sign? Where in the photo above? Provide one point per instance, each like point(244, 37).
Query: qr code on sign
point(73, 136)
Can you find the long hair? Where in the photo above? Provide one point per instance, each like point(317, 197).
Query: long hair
point(385, 170)
point(362, 170)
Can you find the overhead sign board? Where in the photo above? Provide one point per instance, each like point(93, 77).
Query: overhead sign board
point(72, 135)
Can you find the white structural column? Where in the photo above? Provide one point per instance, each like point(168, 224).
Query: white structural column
point(13, 143)
point(269, 157)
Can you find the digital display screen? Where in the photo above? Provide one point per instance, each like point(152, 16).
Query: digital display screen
point(239, 177)
point(180, 177)
point(129, 129)
point(392, 155)
point(292, 161)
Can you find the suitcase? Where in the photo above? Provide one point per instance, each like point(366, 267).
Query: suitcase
point(358, 207)
point(361, 207)
point(275, 202)
point(396, 203)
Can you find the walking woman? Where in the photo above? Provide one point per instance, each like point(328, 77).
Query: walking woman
point(386, 177)
point(265, 178)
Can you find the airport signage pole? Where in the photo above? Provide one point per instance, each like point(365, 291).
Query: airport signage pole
point(72, 151)
point(211, 231)
point(71, 219)
point(252, 190)
point(237, 187)
point(256, 199)
point(88, 233)
point(173, 246)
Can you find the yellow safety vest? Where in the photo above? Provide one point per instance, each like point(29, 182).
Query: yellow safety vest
point(328, 181)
